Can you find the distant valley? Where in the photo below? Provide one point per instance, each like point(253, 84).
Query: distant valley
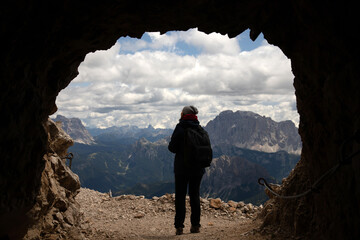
point(132, 160)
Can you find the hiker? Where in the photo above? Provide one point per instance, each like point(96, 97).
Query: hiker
point(186, 175)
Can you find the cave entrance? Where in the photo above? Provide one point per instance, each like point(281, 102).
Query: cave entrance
point(46, 43)
point(144, 83)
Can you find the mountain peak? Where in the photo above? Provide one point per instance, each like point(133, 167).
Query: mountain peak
point(230, 113)
point(150, 127)
point(226, 112)
point(76, 130)
point(249, 130)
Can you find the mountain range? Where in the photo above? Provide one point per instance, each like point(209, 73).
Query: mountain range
point(132, 160)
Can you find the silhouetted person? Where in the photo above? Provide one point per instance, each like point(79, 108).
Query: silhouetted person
point(186, 175)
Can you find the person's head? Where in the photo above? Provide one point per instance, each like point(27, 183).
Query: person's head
point(189, 110)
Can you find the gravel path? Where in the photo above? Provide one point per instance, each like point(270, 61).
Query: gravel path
point(134, 217)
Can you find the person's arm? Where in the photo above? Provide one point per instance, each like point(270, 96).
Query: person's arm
point(176, 141)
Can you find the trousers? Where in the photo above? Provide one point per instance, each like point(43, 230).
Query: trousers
point(182, 181)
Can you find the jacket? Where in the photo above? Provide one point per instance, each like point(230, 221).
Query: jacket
point(176, 146)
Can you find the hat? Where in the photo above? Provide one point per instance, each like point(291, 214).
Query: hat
point(190, 110)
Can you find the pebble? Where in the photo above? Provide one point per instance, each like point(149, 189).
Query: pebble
point(139, 215)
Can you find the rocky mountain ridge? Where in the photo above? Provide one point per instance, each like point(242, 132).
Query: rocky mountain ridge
point(146, 168)
point(242, 129)
point(76, 130)
point(130, 132)
point(233, 178)
point(127, 162)
point(249, 130)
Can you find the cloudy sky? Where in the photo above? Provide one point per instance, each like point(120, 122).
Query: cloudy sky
point(148, 80)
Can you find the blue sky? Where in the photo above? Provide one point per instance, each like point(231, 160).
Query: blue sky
point(148, 80)
point(182, 47)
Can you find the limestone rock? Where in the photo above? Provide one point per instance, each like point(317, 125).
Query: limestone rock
point(76, 130)
point(240, 204)
point(250, 206)
point(245, 209)
point(233, 204)
point(65, 176)
point(55, 206)
point(250, 130)
point(216, 203)
point(58, 140)
point(204, 200)
point(232, 209)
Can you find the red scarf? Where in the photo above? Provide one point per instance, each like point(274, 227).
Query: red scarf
point(189, 117)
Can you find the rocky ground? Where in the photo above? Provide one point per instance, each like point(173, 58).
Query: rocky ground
point(134, 217)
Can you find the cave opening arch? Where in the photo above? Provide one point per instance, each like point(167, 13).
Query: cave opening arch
point(102, 73)
point(319, 45)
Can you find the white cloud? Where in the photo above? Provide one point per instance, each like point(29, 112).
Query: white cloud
point(213, 43)
point(152, 85)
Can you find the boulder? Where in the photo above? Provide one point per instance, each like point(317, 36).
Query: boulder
point(216, 203)
point(232, 209)
point(241, 204)
point(233, 204)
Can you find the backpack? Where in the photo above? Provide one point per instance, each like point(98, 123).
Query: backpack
point(197, 148)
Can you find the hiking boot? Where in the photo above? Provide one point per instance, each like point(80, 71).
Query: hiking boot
point(195, 229)
point(179, 231)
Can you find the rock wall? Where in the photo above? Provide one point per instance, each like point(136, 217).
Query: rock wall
point(56, 214)
point(45, 41)
point(327, 85)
